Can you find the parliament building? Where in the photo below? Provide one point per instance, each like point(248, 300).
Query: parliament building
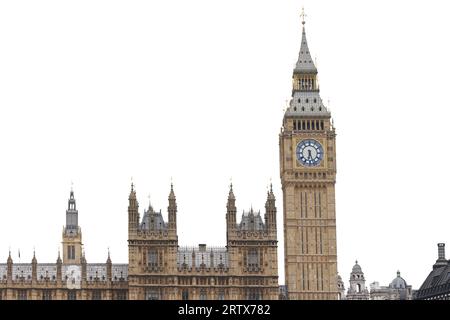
point(247, 267)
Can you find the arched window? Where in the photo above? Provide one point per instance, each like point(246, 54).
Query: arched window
point(152, 258)
point(252, 259)
point(152, 294)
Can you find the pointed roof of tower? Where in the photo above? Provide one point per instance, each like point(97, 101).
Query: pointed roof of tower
point(72, 202)
point(231, 194)
point(109, 258)
point(270, 195)
point(59, 258)
point(304, 63)
point(251, 220)
point(172, 193)
point(132, 195)
point(34, 260)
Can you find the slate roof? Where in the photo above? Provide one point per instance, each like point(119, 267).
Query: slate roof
point(437, 284)
point(212, 257)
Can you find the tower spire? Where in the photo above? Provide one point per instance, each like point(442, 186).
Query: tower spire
point(231, 211)
point(71, 215)
point(172, 193)
point(271, 210)
point(132, 195)
point(133, 210)
point(305, 62)
point(231, 193)
point(172, 208)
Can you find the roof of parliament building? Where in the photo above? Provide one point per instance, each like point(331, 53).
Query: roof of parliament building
point(201, 256)
point(47, 272)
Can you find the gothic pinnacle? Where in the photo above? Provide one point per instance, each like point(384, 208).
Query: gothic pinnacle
point(231, 194)
point(172, 193)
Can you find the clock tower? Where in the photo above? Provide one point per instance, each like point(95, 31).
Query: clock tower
point(308, 176)
point(71, 236)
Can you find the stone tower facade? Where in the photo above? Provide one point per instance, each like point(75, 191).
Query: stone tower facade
point(152, 251)
point(161, 269)
point(252, 250)
point(308, 176)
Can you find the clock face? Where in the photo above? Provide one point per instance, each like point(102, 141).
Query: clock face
point(309, 152)
point(73, 274)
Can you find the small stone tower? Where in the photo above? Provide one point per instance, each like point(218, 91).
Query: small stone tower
point(152, 250)
point(71, 236)
point(341, 288)
point(357, 290)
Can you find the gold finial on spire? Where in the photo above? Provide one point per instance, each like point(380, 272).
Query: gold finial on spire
point(303, 15)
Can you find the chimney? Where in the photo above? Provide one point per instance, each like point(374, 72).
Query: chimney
point(441, 251)
point(440, 262)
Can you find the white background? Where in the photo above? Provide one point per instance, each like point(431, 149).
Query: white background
point(97, 92)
